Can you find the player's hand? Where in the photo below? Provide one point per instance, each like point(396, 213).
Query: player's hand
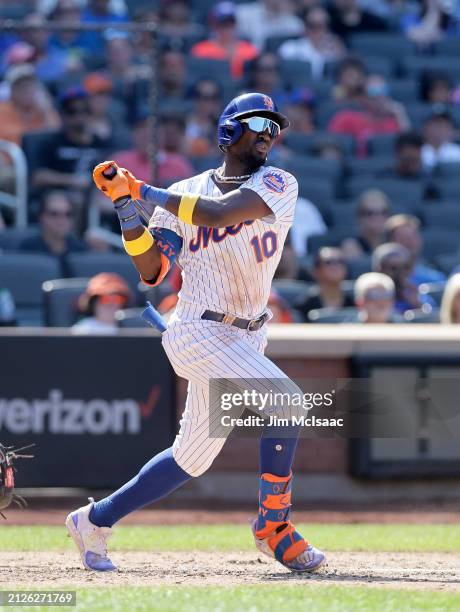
point(111, 181)
point(135, 185)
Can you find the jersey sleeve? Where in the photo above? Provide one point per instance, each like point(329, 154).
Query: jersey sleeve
point(279, 190)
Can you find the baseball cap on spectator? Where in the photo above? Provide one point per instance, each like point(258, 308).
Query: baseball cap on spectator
point(104, 284)
point(70, 94)
point(19, 53)
point(222, 13)
point(16, 73)
point(97, 83)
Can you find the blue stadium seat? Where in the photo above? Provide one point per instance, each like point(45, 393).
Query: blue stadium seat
point(295, 73)
point(131, 318)
point(414, 65)
point(86, 265)
point(293, 291)
point(369, 165)
point(411, 192)
point(199, 68)
point(60, 298)
point(382, 145)
point(23, 275)
point(314, 167)
point(332, 315)
point(394, 46)
point(440, 241)
point(12, 237)
point(441, 215)
point(404, 90)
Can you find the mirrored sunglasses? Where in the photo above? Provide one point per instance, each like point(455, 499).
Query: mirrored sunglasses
point(260, 124)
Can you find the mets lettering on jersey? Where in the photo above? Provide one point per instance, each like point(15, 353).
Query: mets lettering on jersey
point(216, 234)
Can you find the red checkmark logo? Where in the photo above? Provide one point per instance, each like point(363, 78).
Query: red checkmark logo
point(149, 405)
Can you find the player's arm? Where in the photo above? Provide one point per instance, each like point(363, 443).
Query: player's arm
point(230, 209)
point(152, 252)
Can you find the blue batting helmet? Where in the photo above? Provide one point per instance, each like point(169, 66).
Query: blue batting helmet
point(230, 130)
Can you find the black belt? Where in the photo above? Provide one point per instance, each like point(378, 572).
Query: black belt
point(249, 324)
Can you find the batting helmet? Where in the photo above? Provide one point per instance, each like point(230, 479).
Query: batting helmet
point(230, 130)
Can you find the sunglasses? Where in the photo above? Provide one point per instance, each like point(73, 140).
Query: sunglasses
point(116, 300)
point(260, 124)
point(57, 213)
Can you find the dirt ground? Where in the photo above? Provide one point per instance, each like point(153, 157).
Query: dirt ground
point(427, 571)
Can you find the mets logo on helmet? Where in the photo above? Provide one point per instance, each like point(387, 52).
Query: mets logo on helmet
point(275, 181)
point(268, 102)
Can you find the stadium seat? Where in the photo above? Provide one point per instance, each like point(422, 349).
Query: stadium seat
point(449, 189)
point(295, 73)
point(342, 216)
point(12, 237)
point(394, 46)
point(273, 43)
point(318, 191)
point(293, 291)
point(86, 265)
point(382, 145)
point(305, 144)
point(23, 274)
point(404, 90)
point(449, 170)
point(447, 262)
point(413, 66)
point(434, 290)
point(314, 167)
point(440, 215)
point(329, 108)
point(60, 300)
point(333, 238)
point(356, 267)
point(439, 241)
point(131, 318)
point(375, 64)
point(369, 165)
point(411, 192)
point(332, 315)
point(449, 47)
point(199, 68)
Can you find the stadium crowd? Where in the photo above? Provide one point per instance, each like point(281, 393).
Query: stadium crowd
point(372, 89)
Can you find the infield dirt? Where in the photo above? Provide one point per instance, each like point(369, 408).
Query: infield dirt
point(415, 571)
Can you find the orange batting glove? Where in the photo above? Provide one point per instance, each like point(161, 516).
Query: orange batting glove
point(110, 179)
point(135, 185)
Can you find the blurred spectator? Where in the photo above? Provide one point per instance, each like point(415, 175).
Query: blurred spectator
point(375, 298)
point(105, 294)
point(408, 158)
point(273, 18)
point(299, 106)
point(350, 78)
point(69, 41)
point(265, 77)
point(68, 156)
point(405, 230)
point(317, 46)
point(329, 272)
point(428, 24)
point(176, 20)
point(143, 41)
point(130, 78)
point(224, 43)
point(106, 114)
point(377, 114)
point(288, 266)
point(280, 309)
point(99, 12)
point(439, 147)
point(56, 219)
point(435, 87)
point(200, 133)
point(172, 165)
point(29, 108)
point(51, 63)
point(347, 17)
point(395, 260)
point(172, 77)
point(450, 304)
point(307, 222)
point(372, 211)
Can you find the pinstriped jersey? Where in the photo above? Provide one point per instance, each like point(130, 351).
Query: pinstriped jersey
point(230, 270)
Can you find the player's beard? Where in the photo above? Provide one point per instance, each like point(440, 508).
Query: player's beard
point(251, 161)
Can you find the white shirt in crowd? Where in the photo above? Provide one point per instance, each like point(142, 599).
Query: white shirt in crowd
point(447, 153)
point(307, 222)
point(257, 24)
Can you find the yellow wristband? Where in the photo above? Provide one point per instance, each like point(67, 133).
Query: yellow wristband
point(139, 245)
point(187, 206)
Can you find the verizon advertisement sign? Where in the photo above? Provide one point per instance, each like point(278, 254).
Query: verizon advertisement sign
point(97, 408)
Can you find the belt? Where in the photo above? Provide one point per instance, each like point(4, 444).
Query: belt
point(249, 324)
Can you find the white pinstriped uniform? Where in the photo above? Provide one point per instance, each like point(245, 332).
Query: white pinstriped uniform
point(230, 271)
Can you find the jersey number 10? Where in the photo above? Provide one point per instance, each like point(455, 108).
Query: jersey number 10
point(265, 246)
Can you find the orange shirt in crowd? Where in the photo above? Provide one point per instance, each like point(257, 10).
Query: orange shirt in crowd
point(13, 124)
point(241, 52)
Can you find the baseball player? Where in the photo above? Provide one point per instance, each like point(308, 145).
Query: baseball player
point(225, 228)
